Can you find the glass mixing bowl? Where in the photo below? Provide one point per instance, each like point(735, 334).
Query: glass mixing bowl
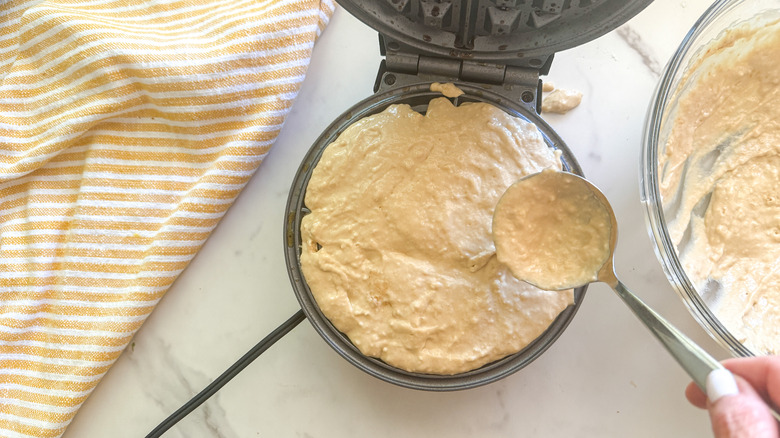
point(722, 15)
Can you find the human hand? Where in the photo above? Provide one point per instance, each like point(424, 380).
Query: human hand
point(746, 414)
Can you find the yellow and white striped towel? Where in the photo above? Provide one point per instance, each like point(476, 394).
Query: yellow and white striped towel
point(127, 129)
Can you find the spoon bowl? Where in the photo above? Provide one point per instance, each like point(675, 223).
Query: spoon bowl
point(556, 231)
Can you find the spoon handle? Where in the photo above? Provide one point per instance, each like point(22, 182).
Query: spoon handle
point(696, 362)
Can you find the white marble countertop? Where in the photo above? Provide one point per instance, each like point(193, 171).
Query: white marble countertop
point(605, 377)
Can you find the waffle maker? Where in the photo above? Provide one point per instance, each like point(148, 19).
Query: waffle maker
point(495, 51)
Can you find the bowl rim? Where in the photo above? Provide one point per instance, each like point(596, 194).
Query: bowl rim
point(295, 210)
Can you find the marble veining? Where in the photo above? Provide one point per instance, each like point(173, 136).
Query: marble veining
point(170, 383)
point(634, 40)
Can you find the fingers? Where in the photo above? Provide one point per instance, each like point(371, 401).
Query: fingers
point(696, 396)
point(763, 374)
point(720, 383)
point(744, 415)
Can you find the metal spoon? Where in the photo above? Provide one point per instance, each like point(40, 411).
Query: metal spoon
point(557, 231)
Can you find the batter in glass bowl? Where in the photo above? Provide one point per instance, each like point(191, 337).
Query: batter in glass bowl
point(720, 181)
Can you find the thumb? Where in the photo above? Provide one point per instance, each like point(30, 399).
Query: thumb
point(742, 415)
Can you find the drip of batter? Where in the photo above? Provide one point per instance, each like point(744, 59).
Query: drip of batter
point(397, 249)
point(561, 101)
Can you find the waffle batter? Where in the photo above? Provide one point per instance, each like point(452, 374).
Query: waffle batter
point(720, 179)
point(397, 248)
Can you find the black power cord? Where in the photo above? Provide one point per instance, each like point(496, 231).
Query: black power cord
point(231, 372)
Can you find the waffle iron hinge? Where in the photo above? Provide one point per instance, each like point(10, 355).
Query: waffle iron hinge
point(520, 84)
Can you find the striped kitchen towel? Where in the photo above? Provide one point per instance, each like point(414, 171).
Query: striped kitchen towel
point(127, 129)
